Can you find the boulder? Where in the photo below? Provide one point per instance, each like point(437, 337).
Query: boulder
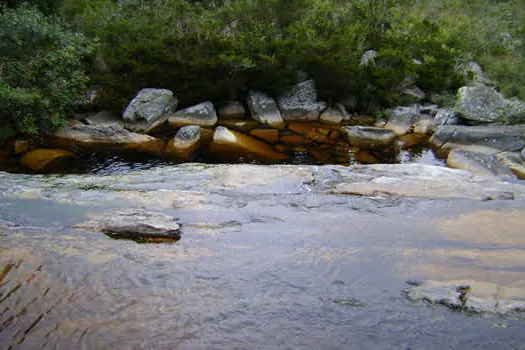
point(444, 117)
point(104, 137)
point(136, 224)
point(264, 110)
point(369, 137)
point(478, 163)
point(515, 111)
point(401, 119)
point(231, 111)
point(202, 114)
point(423, 124)
point(335, 115)
point(502, 138)
point(232, 144)
point(104, 118)
point(300, 103)
point(515, 161)
point(184, 145)
point(149, 109)
point(40, 159)
point(480, 104)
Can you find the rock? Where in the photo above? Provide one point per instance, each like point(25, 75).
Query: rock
point(104, 118)
point(401, 119)
point(264, 110)
point(300, 103)
point(231, 111)
point(149, 109)
point(136, 224)
point(480, 104)
point(268, 135)
point(502, 138)
point(411, 95)
point(21, 146)
point(515, 111)
point(368, 58)
point(292, 139)
point(461, 297)
point(104, 137)
point(202, 114)
point(429, 109)
point(478, 163)
point(423, 181)
point(231, 144)
point(240, 125)
point(184, 145)
point(423, 124)
point(515, 161)
point(41, 159)
point(369, 137)
point(335, 115)
point(444, 117)
point(473, 74)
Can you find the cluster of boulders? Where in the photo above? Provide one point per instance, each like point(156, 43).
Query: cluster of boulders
point(483, 132)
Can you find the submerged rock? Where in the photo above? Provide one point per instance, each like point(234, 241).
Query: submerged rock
point(42, 158)
point(264, 110)
point(136, 224)
point(369, 137)
point(460, 297)
point(300, 103)
point(231, 144)
point(202, 114)
point(480, 104)
point(478, 163)
point(104, 137)
point(185, 143)
point(149, 109)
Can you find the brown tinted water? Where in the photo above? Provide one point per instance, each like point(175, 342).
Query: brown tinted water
point(268, 259)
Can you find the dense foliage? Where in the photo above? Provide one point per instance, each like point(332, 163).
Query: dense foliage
point(219, 49)
point(41, 70)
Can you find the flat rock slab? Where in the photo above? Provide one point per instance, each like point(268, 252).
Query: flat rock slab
point(478, 163)
point(369, 137)
point(136, 224)
point(461, 297)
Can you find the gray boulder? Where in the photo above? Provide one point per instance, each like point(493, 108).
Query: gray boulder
point(401, 119)
point(104, 118)
point(149, 109)
point(480, 104)
point(264, 110)
point(478, 163)
point(444, 117)
point(135, 224)
point(335, 115)
point(369, 137)
point(184, 145)
point(231, 110)
point(202, 114)
point(300, 103)
point(502, 138)
point(515, 111)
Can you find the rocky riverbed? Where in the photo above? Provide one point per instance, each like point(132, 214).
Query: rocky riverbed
point(276, 256)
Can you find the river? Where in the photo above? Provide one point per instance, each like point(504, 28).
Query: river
point(271, 257)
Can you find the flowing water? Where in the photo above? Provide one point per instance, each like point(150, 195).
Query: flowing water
point(269, 259)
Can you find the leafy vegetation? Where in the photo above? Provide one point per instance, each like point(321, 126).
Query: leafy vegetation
point(219, 49)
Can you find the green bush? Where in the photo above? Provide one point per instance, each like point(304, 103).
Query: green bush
point(41, 69)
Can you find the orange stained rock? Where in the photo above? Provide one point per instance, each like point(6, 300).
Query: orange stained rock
point(40, 159)
point(269, 135)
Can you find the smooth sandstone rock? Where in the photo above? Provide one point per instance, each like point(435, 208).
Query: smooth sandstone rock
point(149, 109)
point(240, 125)
point(300, 103)
point(264, 110)
point(104, 137)
point(203, 114)
point(184, 145)
point(480, 104)
point(135, 224)
point(515, 161)
point(478, 163)
point(369, 137)
point(42, 158)
point(228, 143)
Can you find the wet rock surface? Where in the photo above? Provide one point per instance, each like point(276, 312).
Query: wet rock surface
point(478, 163)
point(369, 137)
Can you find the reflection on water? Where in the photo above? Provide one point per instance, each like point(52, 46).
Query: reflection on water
point(286, 268)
